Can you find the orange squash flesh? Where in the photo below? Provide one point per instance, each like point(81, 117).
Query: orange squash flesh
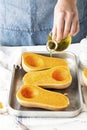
point(34, 96)
point(58, 77)
point(32, 61)
point(84, 76)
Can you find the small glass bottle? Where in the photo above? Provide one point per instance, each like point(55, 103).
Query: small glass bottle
point(53, 45)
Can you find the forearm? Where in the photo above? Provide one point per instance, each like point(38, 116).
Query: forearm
point(68, 1)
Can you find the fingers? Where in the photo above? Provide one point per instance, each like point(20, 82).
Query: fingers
point(65, 24)
point(58, 27)
point(71, 25)
point(75, 27)
point(54, 32)
point(68, 24)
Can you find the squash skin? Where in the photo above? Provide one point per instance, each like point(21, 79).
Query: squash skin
point(41, 98)
point(58, 77)
point(32, 61)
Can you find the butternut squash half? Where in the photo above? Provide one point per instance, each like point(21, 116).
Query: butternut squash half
point(58, 77)
point(34, 96)
point(32, 61)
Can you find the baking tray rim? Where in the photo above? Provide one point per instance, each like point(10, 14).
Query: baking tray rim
point(46, 114)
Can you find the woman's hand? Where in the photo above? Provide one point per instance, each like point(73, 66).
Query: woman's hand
point(66, 21)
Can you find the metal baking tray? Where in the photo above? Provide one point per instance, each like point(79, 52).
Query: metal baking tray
point(73, 91)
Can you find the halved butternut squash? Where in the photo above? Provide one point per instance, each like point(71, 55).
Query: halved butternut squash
point(34, 96)
point(57, 77)
point(32, 61)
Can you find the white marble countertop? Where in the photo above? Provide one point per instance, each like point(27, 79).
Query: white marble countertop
point(10, 56)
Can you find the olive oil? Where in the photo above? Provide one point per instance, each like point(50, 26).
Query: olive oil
point(53, 45)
